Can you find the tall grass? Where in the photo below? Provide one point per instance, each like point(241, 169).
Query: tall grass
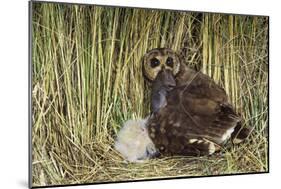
point(87, 80)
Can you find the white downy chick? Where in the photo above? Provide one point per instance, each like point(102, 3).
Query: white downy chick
point(134, 143)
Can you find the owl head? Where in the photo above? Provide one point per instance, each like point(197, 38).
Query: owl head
point(160, 59)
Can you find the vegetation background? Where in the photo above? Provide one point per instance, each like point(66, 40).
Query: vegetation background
point(87, 80)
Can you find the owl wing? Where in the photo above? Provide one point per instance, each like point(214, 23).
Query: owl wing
point(197, 119)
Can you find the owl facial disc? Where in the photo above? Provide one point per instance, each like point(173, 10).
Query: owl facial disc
point(160, 59)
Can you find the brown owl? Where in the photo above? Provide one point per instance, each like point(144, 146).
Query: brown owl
point(191, 114)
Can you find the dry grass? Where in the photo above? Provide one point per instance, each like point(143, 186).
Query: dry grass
point(87, 80)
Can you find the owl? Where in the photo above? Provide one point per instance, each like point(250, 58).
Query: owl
point(191, 114)
point(133, 142)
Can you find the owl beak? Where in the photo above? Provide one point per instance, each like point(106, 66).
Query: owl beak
point(168, 78)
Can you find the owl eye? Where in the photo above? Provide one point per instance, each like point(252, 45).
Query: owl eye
point(154, 62)
point(169, 62)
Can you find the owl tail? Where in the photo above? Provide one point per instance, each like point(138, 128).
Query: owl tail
point(240, 133)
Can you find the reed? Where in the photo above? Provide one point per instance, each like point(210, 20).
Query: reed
point(87, 80)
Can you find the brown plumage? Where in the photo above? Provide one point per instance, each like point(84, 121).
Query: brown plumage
point(196, 118)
